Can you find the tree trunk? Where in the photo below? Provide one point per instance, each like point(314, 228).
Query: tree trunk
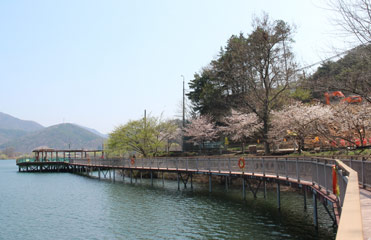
point(265, 133)
point(301, 145)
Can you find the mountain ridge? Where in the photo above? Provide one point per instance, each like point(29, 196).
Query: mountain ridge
point(60, 136)
point(9, 122)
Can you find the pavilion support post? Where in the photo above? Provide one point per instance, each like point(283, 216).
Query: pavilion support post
point(210, 186)
point(278, 196)
point(315, 211)
point(99, 173)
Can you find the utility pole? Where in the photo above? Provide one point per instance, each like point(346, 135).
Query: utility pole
point(183, 103)
point(145, 129)
point(183, 115)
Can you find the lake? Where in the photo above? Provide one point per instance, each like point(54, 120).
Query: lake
point(68, 206)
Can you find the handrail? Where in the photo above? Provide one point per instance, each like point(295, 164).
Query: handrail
point(33, 160)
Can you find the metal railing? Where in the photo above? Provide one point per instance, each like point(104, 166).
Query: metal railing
point(317, 171)
point(32, 160)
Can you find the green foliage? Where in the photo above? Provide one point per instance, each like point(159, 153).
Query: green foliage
point(147, 136)
point(206, 96)
point(251, 74)
point(300, 94)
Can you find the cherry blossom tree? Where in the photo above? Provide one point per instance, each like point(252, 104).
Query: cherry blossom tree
point(351, 123)
point(299, 121)
point(240, 126)
point(201, 129)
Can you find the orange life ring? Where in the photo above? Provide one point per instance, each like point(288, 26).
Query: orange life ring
point(241, 162)
point(132, 161)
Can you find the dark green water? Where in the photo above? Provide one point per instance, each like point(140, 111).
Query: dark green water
point(67, 206)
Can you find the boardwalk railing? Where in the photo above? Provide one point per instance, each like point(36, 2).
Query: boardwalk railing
point(314, 171)
point(32, 160)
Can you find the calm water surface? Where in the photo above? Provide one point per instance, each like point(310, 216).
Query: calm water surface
point(67, 206)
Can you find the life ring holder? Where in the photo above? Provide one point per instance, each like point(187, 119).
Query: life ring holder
point(241, 163)
point(132, 161)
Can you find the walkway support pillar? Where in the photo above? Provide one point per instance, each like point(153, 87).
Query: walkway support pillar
point(315, 212)
point(305, 198)
point(243, 188)
point(163, 180)
point(226, 183)
point(131, 176)
point(151, 178)
point(177, 178)
point(278, 196)
point(99, 173)
point(265, 188)
point(210, 188)
point(191, 181)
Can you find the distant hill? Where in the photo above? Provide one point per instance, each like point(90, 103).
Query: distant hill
point(11, 123)
point(93, 131)
point(7, 135)
point(61, 136)
point(349, 74)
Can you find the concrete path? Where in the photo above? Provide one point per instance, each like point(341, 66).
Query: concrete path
point(365, 197)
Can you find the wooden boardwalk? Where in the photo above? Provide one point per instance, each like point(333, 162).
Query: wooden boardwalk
point(366, 213)
point(310, 174)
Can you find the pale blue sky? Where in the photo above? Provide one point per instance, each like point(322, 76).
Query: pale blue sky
point(101, 63)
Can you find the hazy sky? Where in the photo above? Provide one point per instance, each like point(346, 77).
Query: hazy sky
point(101, 63)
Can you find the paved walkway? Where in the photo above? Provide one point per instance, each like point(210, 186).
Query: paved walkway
point(366, 212)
